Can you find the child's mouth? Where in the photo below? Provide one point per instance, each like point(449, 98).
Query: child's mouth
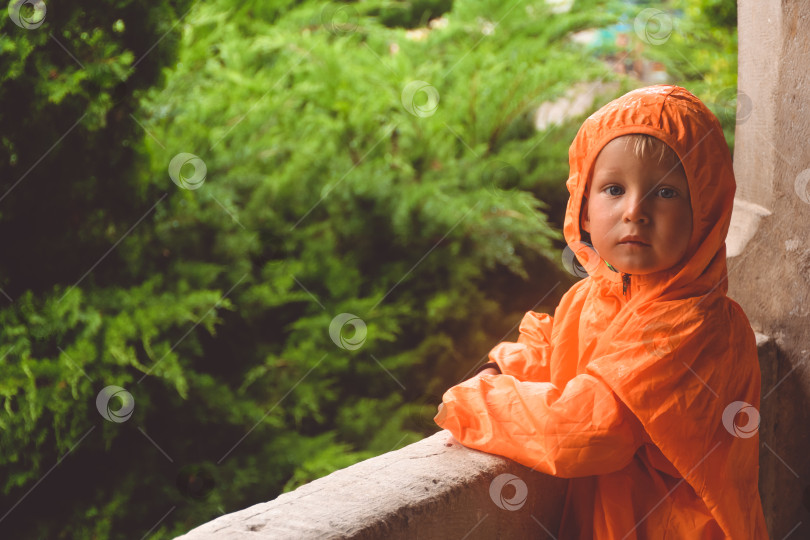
point(633, 240)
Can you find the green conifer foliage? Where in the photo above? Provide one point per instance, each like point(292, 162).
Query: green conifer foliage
point(266, 238)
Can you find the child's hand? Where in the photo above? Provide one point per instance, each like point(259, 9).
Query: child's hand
point(439, 416)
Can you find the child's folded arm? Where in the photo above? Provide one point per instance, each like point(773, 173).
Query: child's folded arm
point(582, 430)
point(528, 359)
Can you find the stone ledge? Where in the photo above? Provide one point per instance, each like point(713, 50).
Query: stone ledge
point(434, 488)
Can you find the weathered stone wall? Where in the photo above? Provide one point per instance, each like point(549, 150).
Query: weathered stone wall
point(769, 250)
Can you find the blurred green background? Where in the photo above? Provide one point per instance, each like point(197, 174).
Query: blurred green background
point(400, 162)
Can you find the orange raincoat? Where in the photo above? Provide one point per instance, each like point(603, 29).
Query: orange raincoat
point(633, 389)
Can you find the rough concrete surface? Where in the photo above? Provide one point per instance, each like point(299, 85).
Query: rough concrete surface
point(434, 488)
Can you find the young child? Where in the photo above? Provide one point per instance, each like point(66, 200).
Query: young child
point(633, 389)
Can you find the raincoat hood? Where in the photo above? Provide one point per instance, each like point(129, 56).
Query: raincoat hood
point(643, 389)
point(678, 118)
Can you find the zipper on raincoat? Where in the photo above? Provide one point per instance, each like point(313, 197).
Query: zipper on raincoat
point(625, 283)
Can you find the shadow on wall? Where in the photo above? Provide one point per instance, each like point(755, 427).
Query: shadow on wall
point(783, 431)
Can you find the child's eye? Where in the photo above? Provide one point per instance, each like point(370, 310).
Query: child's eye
point(667, 193)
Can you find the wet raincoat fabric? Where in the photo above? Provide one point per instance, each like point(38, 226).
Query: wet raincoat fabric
point(644, 390)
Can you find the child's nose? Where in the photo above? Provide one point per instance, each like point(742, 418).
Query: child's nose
point(636, 207)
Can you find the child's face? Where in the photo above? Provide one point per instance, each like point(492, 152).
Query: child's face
point(632, 196)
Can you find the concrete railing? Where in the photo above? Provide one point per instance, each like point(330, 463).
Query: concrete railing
point(434, 488)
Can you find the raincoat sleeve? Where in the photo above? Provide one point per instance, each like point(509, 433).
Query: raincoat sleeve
point(528, 359)
point(581, 430)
